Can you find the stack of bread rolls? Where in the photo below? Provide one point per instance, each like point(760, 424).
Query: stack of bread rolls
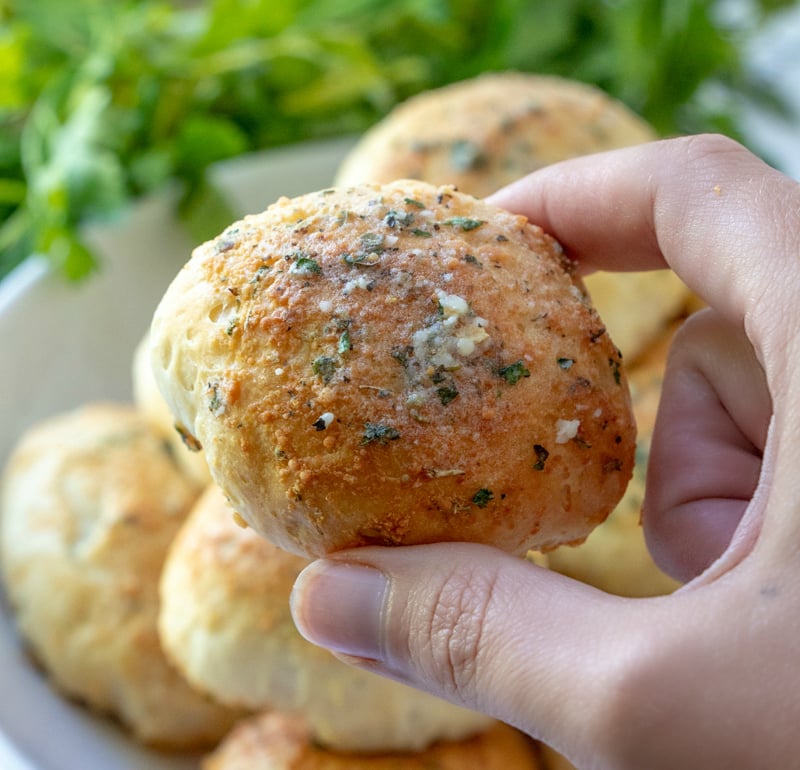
point(91, 501)
point(391, 361)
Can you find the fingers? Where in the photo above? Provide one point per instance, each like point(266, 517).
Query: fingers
point(723, 220)
point(706, 452)
point(552, 656)
point(730, 228)
point(473, 625)
point(608, 682)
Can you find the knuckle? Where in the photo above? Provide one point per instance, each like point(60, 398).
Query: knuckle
point(455, 630)
point(714, 148)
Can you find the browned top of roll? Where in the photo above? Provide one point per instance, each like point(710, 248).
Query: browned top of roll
point(396, 364)
point(278, 742)
point(482, 133)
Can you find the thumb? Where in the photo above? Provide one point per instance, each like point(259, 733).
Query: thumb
point(475, 626)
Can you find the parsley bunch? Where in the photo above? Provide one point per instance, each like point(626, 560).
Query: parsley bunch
point(102, 102)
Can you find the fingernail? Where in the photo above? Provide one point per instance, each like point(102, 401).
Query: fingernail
point(339, 606)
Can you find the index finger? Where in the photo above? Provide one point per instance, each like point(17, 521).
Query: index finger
point(722, 219)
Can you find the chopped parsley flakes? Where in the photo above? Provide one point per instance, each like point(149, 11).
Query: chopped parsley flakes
point(464, 223)
point(398, 219)
point(377, 432)
point(446, 394)
point(324, 367)
point(466, 155)
point(482, 497)
point(305, 266)
point(371, 242)
point(513, 373)
point(541, 456)
point(615, 370)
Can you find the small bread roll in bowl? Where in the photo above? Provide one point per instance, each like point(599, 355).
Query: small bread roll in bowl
point(225, 622)
point(481, 133)
point(275, 741)
point(91, 500)
point(393, 365)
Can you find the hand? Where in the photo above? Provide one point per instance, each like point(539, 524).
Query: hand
point(706, 677)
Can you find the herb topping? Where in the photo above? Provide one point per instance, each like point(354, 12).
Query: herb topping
point(615, 370)
point(377, 432)
point(482, 497)
point(541, 456)
point(398, 218)
point(324, 367)
point(305, 266)
point(464, 223)
point(513, 373)
point(466, 156)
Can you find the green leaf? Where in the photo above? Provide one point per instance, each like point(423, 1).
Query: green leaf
point(12, 57)
point(205, 212)
point(206, 139)
point(11, 191)
point(103, 101)
point(67, 253)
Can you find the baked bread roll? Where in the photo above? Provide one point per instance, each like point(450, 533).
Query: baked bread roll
point(275, 741)
point(483, 133)
point(149, 401)
point(90, 502)
point(225, 621)
point(393, 365)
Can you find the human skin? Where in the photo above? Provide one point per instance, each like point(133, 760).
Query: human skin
point(708, 676)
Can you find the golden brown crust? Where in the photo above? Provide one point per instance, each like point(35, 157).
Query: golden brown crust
point(636, 307)
point(226, 623)
point(615, 557)
point(395, 365)
point(483, 133)
point(91, 500)
point(480, 134)
point(278, 742)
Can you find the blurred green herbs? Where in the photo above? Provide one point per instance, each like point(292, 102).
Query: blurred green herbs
point(102, 101)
